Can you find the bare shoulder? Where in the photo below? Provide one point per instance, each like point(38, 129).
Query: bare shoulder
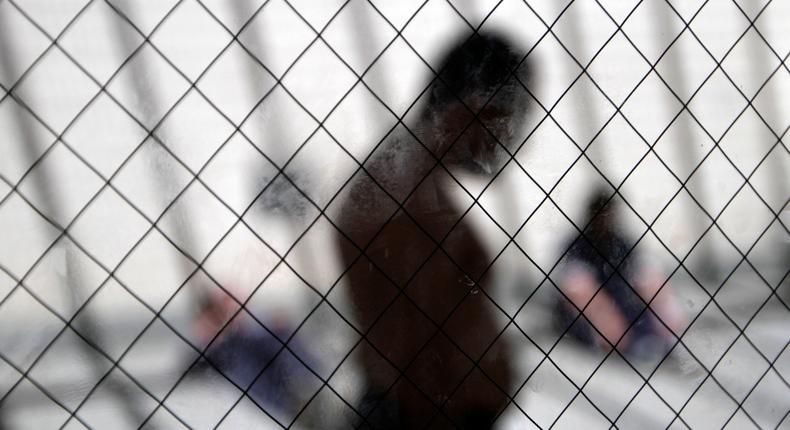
point(372, 194)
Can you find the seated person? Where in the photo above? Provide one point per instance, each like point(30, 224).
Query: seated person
point(603, 276)
point(252, 356)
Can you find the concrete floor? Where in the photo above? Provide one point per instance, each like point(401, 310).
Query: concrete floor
point(549, 397)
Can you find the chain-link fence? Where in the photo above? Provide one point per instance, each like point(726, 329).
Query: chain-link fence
point(222, 214)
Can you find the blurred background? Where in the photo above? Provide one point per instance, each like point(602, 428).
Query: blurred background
point(159, 157)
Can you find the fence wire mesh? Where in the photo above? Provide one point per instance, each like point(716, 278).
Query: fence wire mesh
point(166, 161)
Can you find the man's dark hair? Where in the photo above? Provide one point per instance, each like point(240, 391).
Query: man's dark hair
point(600, 200)
point(476, 68)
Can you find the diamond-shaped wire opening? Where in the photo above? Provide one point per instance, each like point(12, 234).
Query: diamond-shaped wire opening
point(72, 193)
point(191, 143)
point(147, 70)
point(190, 38)
point(100, 56)
point(233, 97)
point(62, 104)
point(277, 54)
point(29, 42)
point(63, 260)
point(17, 160)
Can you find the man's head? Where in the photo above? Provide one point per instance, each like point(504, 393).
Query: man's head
point(602, 211)
point(479, 99)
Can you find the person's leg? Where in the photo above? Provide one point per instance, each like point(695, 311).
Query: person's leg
point(478, 420)
point(380, 410)
point(582, 289)
point(664, 305)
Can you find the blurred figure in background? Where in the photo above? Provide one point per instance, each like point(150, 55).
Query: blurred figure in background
point(245, 347)
point(601, 258)
point(404, 286)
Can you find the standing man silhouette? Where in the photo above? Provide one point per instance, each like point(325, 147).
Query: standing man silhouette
point(422, 261)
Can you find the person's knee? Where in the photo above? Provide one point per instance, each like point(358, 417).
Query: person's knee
point(579, 285)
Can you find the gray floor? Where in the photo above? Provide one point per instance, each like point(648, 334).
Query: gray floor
point(629, 397)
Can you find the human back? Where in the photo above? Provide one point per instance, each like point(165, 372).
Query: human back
point(432, 351)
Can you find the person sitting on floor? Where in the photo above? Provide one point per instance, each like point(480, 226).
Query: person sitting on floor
point(603, 276)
